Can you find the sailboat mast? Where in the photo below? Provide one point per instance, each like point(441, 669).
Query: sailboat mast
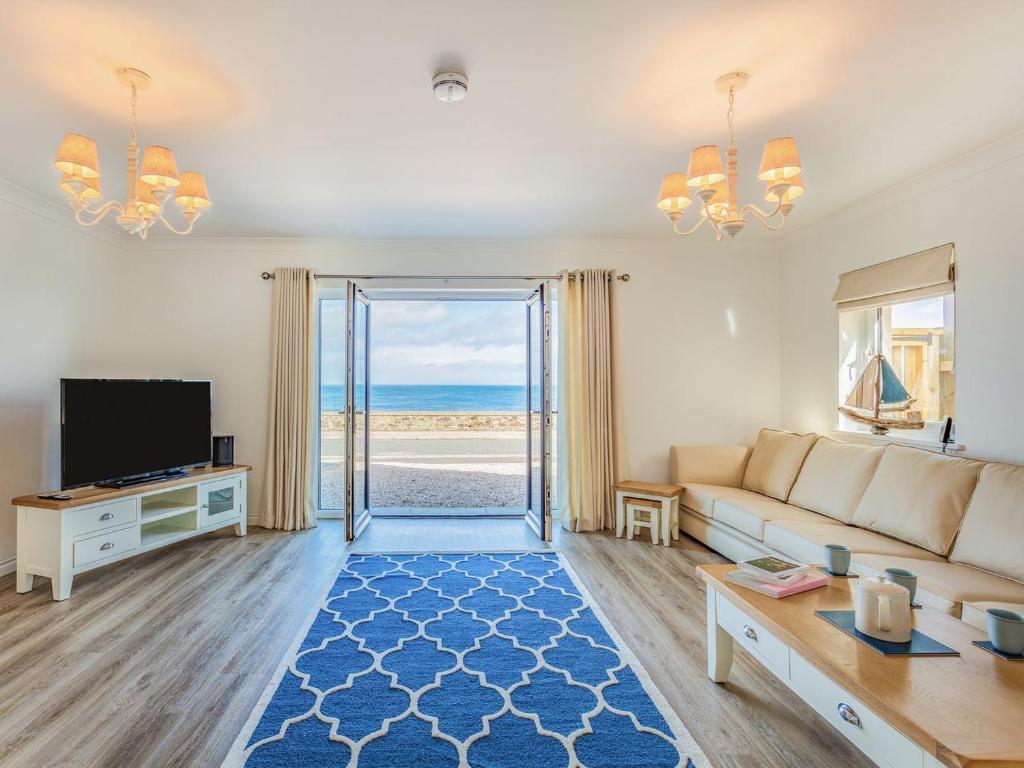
point(878, 356)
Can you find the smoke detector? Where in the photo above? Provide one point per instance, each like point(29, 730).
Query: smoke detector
point(450, 86)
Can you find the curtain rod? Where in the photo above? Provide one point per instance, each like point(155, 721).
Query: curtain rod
point(270, 276)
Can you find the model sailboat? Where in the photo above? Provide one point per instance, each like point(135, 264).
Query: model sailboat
point(880, 392)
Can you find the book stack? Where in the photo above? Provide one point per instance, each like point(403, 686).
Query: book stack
point(775, 577)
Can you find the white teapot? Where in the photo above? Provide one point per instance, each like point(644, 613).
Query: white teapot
point(882, 610)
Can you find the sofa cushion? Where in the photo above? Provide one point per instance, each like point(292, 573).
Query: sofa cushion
point(992, 533)
point(775, 462)
point(945, 585)
point(708, 464)
point(976, 614)
point(805, 541)
point(918, 496)
point(701, 497)
point(748, 514)
point(834, 476)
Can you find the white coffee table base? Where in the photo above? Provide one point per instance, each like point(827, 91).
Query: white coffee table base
point(727, 624)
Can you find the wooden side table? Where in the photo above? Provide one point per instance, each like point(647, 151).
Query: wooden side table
point(667, 494)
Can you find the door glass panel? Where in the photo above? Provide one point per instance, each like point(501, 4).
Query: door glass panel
point(221, 501)
point(536, 407)
point(361, 391)
point(331, 486)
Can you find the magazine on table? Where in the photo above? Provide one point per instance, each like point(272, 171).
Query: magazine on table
point(801, 583)
point(773, 569)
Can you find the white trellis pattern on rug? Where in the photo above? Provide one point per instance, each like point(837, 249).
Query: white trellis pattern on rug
point(483, 660)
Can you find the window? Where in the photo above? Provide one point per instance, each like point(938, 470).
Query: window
point(916, 338)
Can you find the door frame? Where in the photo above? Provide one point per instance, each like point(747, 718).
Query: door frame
point(539, 520)
point(356, 521)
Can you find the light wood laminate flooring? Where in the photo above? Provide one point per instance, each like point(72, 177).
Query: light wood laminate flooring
point(158, 660)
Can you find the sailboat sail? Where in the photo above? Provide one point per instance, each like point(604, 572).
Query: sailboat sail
point(893, 390)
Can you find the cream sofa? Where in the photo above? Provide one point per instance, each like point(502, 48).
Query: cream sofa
point(957, 523)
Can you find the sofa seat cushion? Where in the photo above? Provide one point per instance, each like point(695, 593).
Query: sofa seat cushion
point(748, 514)
point(805, 541)
point(701, 497)
point(775, 462)
point(834, 477)
point(918, 496)
point(945, 585)
point(976, 614)
point(992, 534)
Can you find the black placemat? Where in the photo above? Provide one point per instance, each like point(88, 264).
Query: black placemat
point(986, 645)
point(920, 644)
point(827, 572)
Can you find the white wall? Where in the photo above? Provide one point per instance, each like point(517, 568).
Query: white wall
point(696, 329)
point(53, 315)
point(974, 203)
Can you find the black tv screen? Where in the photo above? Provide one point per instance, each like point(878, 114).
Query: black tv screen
point(112, 429)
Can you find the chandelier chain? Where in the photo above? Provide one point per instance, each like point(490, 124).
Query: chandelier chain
point(730, 116)
point(134, 101)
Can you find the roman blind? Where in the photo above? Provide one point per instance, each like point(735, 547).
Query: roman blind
point(917, 276)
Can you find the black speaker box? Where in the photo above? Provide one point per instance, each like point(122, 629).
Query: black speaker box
point(223, 450)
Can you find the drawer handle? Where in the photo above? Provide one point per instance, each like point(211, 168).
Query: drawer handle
point(106, 516)
point(108, 545)
point(750, 632)
point(849, 715)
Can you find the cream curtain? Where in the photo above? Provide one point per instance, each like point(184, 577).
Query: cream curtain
point(586, 434)
point(917, 276)
point(288, 497)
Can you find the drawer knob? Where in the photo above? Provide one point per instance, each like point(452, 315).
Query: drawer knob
point(750, 632)
point(849, 715)
point(106, 516)
point(107, 545)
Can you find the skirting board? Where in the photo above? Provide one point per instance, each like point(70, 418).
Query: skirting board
point(8, 566)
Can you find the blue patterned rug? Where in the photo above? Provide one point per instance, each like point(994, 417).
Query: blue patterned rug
point(489, 660)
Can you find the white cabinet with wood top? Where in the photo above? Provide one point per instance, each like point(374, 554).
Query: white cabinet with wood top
point(98, 526)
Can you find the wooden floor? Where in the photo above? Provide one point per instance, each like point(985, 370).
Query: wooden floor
point(158, 660)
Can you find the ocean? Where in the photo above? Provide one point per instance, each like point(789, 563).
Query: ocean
point(472, 398)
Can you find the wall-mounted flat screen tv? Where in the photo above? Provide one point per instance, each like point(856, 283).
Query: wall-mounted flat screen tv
point(115, 431)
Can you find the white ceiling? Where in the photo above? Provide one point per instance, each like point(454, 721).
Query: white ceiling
point(317, 118)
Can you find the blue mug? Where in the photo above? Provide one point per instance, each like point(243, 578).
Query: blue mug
point(837, 559)
point(1006, 631)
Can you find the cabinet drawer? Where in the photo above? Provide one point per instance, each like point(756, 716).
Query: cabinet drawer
point(102, 516)
point(106, 545)
point(869, 732)
point(755, 638)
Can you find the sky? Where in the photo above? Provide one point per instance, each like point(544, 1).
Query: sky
point(432, 342)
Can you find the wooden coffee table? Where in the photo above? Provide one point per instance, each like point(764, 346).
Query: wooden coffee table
point(924, 712)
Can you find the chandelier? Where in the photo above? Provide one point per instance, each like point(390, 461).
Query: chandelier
point(716, 187)
point(149, 186)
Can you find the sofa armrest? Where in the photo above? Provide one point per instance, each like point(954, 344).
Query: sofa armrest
point(710, 464)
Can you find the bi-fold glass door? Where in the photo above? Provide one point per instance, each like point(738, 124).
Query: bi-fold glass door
point(357, 409)
point(538, 411)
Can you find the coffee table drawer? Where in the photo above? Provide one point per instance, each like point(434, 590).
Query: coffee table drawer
point(755, 638)
point(869, 732)
point(106, 545)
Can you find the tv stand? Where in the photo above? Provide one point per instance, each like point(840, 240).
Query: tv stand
point(129, 482)
point(61, 538)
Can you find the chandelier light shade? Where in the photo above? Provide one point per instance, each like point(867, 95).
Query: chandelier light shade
point(793, 191)
point(148, 205)
point(159, 167)
point(714, 183)
point(705, 167)
point(674, 194)
point(78, 156)
point(192, 191)
point(780, 160)
point(92, 186)
point(149, 186)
